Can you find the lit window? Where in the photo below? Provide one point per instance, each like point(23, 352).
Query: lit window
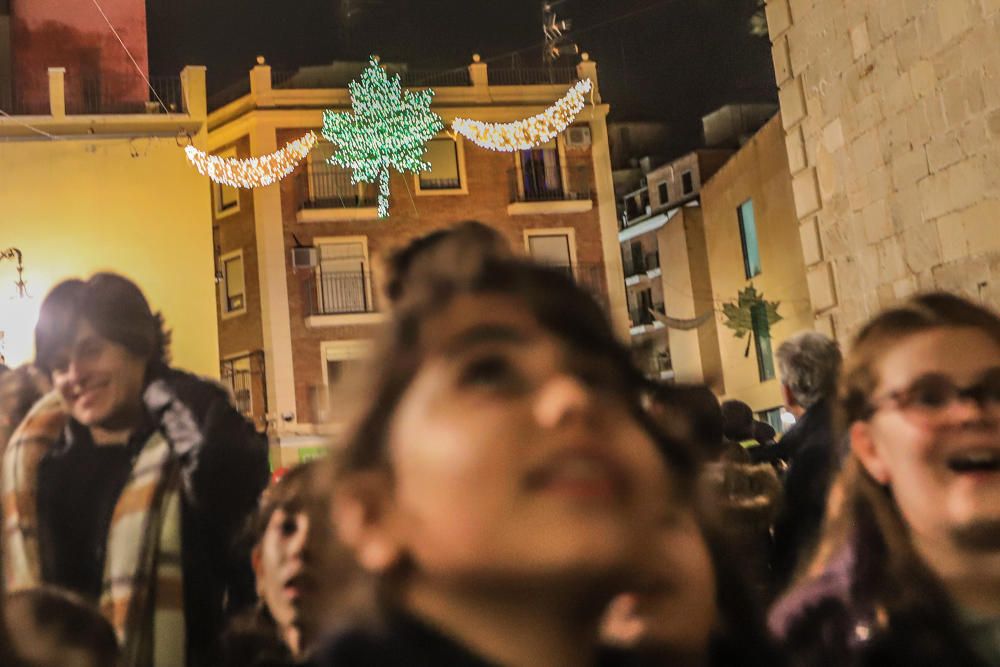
point(234, 287)
point(748, 237)
point(444, 174)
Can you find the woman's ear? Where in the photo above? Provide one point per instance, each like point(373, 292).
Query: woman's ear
point(864, 448)
point(362, 514)
point(258, 573)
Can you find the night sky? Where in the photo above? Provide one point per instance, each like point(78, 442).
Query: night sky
point(670, 60)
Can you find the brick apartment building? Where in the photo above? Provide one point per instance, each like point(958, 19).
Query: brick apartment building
point(300, 264)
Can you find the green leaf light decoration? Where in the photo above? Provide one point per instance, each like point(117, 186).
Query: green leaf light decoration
point(388, 128)
point(738, 315)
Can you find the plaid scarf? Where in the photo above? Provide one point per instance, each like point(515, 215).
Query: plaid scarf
point(142, 589)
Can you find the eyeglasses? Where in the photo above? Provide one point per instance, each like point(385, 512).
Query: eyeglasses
point(929, 396)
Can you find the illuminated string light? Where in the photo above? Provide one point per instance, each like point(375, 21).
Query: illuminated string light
point(252, 172)
point(529, 132)
point(389, 128)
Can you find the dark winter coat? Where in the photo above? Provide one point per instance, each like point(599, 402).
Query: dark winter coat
point(223, 469)
point(810, 446)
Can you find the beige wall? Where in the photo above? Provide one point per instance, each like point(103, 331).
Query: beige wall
point(759, 171)
point(892, 116)
point(687, 291)
point(79, 206)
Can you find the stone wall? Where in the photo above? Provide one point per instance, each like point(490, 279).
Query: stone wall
point(891, 110)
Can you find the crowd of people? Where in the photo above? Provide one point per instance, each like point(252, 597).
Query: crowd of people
point(512, 492)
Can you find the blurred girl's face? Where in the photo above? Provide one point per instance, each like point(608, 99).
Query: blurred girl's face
point(515, 459)
point(934, 438)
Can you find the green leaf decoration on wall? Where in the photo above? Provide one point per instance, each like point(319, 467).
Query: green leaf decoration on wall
point(739, 315)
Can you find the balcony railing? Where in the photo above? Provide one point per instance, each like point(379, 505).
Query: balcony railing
point(641, 315)
point(416, 78)
point(328, 186)
point(527, 185)
point(247, 380)
point(637, 265)
point(635, 205)
point(107, 94)
point(338, 293)
point(530, 76)
point(118, 94)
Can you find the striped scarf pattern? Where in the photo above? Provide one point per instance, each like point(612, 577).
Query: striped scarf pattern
point(142, 592)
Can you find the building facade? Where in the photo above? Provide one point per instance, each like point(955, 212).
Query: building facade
point(105, 187)
point(751, 239)
point(710, 225)
point(891, 112)
point(301, 291)
point(668, 191)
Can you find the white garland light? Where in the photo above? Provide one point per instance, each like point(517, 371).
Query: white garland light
point(529, 132)
point(252, 172)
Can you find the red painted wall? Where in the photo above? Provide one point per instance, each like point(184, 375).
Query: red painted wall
point(74, 35)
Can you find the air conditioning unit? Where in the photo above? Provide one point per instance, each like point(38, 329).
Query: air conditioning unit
point(578, 137)
point(304, 257)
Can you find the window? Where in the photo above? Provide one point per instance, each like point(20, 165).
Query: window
point(541, 174)
point(762, 342)
point(233, 284)
point(664, 195)
point(343, 280)
point(638, 260)
point(445, 172)
point(550, 249)
point(687, 183)
point(748, 237)
point(227, 198)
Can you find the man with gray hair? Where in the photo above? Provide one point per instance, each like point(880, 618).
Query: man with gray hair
point(809, 363)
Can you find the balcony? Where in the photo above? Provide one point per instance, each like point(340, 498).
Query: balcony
point(247, 381)
point(635, 205)
point(538, 193)
point(641, 317)
point(334, 298)
point(637, 266)
point(326, 193)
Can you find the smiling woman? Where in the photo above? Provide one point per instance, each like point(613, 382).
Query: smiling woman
point(909, 566)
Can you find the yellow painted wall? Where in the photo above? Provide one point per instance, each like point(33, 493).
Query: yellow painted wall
point(759, 171)
point(75, 207)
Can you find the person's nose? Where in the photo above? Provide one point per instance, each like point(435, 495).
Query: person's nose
point(561, 399)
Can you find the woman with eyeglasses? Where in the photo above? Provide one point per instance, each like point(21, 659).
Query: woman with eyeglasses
point(908, 570)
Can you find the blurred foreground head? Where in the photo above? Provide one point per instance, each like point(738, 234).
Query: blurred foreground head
point(51, 628)
point(505, 441)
